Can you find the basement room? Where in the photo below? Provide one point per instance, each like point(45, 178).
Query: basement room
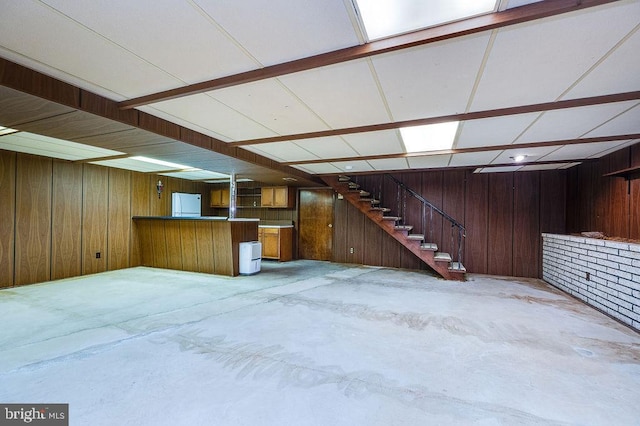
point(336, 212)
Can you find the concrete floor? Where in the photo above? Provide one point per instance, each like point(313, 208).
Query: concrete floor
point(315, 343)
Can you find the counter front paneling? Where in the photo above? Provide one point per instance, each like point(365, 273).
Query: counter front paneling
point(198, 244)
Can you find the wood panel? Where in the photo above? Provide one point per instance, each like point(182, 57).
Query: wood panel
point(526, 224)
point(500, 232)
point(634, 197)
point(204, 246)
point(453, 204)
point(33, 219)
point(412, 215)
point(66, 256)
point(339, 242)
point(188, 246)
point(355, 235)
point(553, 199)
point(95, 194)
point(222, 248)
point(7, 213)
point(618, 209)
point(119, 219)
point(432, 190)
point(174, 245)
point(476, 215)
point(140, 200)
point(372, 249)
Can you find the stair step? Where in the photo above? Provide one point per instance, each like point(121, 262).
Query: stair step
point(442, 257)
point(417, 237)
point(364, 193)
point(393, 218)
point(457, 267)
point(344, 178)
point(380, 209)
point(353, 185)
point(403, 227)
point(370, 200)
point(429, 246)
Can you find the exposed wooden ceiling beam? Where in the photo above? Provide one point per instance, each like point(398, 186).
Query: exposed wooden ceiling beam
point(468, 150)
point(500, 112)
point(464, 27)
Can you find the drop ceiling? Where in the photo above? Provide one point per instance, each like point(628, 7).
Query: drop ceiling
point(272, 86)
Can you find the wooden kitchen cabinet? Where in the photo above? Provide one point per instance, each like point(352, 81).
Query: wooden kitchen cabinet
point(219, 197)
point(277, 197)
point(277, 243)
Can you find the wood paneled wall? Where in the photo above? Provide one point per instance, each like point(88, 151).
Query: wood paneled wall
point(504, 215)
point(606, 204)
point(56, 215)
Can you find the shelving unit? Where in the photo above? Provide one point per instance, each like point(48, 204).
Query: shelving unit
point(627, 174)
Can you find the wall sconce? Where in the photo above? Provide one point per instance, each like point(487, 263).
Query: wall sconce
point(159, 187)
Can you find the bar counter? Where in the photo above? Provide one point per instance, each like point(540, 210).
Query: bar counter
point(199, 244)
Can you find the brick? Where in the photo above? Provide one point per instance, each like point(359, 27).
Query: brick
point(619, 273)
point(629, 314)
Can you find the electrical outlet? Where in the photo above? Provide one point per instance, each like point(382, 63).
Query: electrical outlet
point(98, 255)
point(588, 276)
point(351, 250)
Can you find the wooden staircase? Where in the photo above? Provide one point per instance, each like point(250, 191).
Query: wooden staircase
point(440, 262)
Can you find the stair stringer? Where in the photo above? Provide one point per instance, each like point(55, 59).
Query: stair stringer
point(426, 256)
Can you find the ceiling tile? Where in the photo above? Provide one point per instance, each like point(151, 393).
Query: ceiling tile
point(432, 80)
point(493, 131)
point(343, 95)
point(429, 161)
point(618, 73)
point(328, 147)
point(191, 47)
point(573, 122)
point(389, 164)
point(580, 151)
point(473, 158)
point(624, 124)
point(549, 55)
point(353, 166)
point(375, 143)
point(210, 116)
point(270, 104)
point(282, 151)
point(532, 154)
point(284, 30)
point(320, 168)
point(76, 54)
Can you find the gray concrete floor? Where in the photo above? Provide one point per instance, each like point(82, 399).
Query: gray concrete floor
point(315, 343)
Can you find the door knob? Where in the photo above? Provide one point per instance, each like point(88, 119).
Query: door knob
point(330, 225)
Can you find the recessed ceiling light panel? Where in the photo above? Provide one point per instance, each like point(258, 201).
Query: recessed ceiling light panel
point(385, 18)
point(432, 137)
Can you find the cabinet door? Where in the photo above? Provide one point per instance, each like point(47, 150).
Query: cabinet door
point(281, 197)
point(224, 197)
point(215, 198)
point(266, 197)
point(271, 243)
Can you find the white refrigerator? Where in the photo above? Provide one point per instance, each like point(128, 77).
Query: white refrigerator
point(186, 205)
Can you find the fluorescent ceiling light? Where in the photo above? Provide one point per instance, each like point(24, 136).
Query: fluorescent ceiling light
point(31, 143)
point(432, 137)
point(6, 131)
point(385, 18)
point(167, 164)
point(519, 158)
point(196, 174)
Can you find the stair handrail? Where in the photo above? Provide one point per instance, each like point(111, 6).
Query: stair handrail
point(427, 202)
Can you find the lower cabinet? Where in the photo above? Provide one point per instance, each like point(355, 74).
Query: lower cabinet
point(277, 243)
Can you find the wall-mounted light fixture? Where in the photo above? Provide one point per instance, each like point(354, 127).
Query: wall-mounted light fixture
point(159, 188)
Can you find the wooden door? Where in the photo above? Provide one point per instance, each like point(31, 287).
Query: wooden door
point(316, 224)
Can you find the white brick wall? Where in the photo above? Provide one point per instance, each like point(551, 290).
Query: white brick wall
point(605, 274)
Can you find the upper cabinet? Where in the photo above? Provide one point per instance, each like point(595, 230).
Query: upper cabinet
point(277, 197)
point(219, 197)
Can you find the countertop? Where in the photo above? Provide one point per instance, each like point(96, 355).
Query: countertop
point(275, 226)
point(220, 218)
